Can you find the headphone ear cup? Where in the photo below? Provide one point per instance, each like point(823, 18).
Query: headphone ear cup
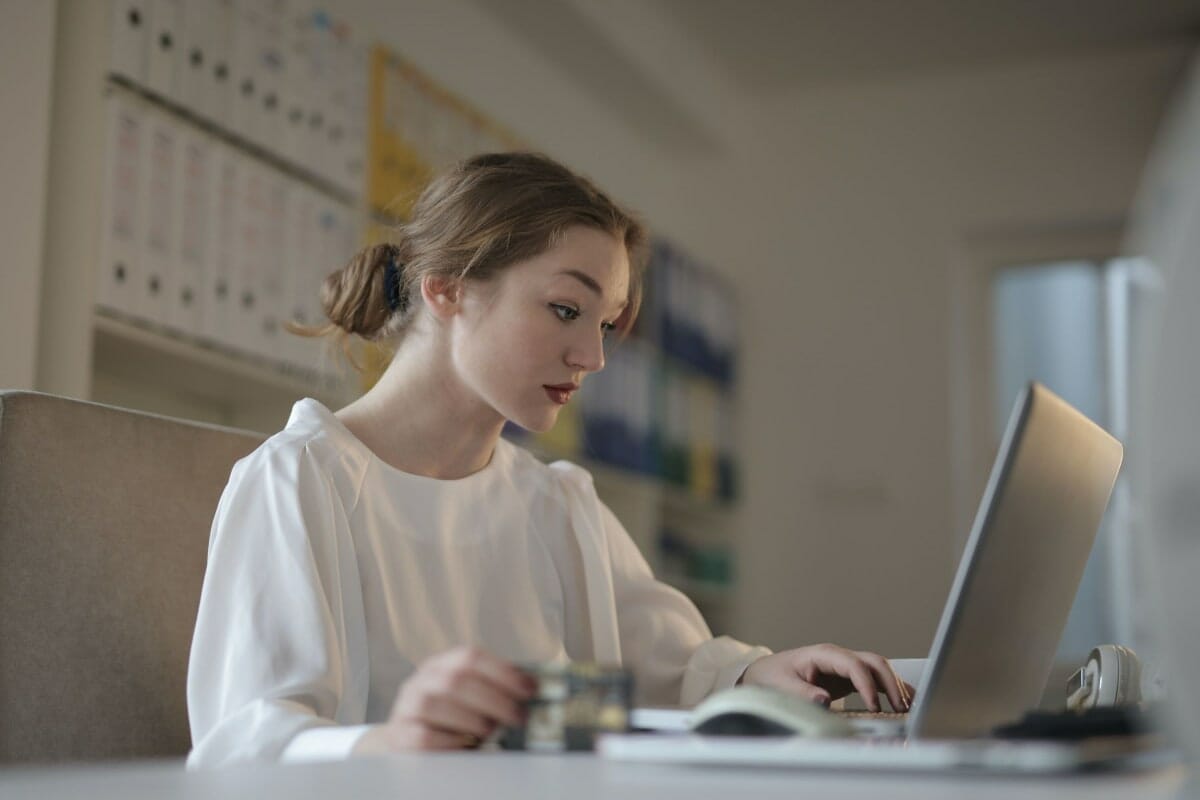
point(1129, 681)
point(1118, 675)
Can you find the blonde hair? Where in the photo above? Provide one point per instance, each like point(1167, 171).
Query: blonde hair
point(485, 214)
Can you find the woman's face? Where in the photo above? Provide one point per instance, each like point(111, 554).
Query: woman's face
point(525, 341)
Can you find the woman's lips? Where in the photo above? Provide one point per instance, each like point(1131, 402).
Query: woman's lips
point(560, 394)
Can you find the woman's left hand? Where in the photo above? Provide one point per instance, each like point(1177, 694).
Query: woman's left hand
point(826, 672)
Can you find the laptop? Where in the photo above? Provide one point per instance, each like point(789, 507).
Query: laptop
point(1006, 611)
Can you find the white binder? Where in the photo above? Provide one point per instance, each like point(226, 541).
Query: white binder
point(351, 175)
point(129, 26)
point(220, 84)
point(296, 89)
point(244, 92)
point(195, 62)
point(119, 280)
point(250, 210)
point(320, 160)
point(158, 215)
point(192, 188)
point(163, 51)
point(299, 259)
point(272, 300)
point(270, 65)
point(215, 309)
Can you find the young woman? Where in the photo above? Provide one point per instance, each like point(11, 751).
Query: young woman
point(374, 573)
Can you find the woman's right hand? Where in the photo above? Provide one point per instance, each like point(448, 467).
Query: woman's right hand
point(453, 701)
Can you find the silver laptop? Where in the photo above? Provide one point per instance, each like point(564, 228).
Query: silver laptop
point(1008, 605)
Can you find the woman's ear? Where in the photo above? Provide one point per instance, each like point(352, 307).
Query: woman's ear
point(441, 295)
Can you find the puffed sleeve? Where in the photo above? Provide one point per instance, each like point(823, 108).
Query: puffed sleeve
point(278, 662)
point(660, 634)
point(664, 639)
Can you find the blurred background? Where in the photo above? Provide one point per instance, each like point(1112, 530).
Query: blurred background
point(873, 222)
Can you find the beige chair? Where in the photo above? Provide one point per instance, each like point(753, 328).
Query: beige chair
point(104, 521)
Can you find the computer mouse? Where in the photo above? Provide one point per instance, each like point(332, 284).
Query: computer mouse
point(759, 711)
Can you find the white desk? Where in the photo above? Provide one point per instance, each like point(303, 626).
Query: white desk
point(497, 776)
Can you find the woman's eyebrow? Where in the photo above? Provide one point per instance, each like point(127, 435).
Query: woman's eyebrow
point(590, 282)
point(585, 279)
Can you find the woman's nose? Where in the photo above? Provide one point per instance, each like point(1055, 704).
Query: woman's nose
point(587, 353)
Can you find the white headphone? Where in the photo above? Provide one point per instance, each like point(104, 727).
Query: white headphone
point(1111, 677)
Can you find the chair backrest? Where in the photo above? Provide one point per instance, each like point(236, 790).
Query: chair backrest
point(104, 523)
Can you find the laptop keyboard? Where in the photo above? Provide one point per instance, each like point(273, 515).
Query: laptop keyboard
point(898, 716)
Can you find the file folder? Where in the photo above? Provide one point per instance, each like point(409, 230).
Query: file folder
point(158, 215)
point(271, 272)
point(215, 309)
point(301, 259)
point(249, 219)
point(270, 66)
point(129, 26)
point(244, 96)
point(166, 17)
point(219, 29)
point(118, 283)
point(193, 67)
point(192, 188)
point(297, 86)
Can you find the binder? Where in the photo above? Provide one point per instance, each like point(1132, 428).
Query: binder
point(300, 258)
point(119, 278)
point(192, 189)
point(163, 51)
point(354, 153)
point(270, 66)
point(158, 216)
point(220, 221)
point(244, 280)
point(296, 88)
point(219, 85)
point(192, 73)
point(244, 92)
point(129, 26)
point(271, 272)
point(322, 115)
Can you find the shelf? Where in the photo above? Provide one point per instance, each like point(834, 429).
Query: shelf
point(296, 171)
point(138, 353)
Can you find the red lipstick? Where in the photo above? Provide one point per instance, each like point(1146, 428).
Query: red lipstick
point(561, 393)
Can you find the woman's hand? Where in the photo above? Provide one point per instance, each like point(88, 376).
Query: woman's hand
point(825, 672)
point(454, 700)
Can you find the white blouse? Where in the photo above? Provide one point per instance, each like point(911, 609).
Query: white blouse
point(332, 575)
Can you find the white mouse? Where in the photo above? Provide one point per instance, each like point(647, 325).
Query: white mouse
point(759, 711)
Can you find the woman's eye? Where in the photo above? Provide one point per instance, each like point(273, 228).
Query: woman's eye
point(607, 327)
point(565, 313)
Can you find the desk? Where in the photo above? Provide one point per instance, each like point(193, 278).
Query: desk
point(498, 776)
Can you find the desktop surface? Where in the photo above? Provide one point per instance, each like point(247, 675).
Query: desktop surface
point(581, 776)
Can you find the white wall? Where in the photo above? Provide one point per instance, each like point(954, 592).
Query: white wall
point(26, 61)
point(849, 421)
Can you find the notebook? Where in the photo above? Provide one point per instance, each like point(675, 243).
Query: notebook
point(1007, 607)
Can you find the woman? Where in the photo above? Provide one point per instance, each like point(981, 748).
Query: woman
point(375, 573)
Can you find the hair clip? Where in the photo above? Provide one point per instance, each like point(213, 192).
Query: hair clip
point(391, 279)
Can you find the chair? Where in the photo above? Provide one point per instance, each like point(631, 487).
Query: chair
point(104, 522)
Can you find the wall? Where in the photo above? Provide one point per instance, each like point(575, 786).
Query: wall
point(26, 50)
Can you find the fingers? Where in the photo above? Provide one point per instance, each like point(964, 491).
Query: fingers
point(821, 671)
point(812, 693)
point(886, 678)
point(456, 699)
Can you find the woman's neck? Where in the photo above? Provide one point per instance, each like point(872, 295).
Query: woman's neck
point(421, 420)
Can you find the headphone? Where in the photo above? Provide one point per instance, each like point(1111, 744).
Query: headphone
point(1111, 677)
